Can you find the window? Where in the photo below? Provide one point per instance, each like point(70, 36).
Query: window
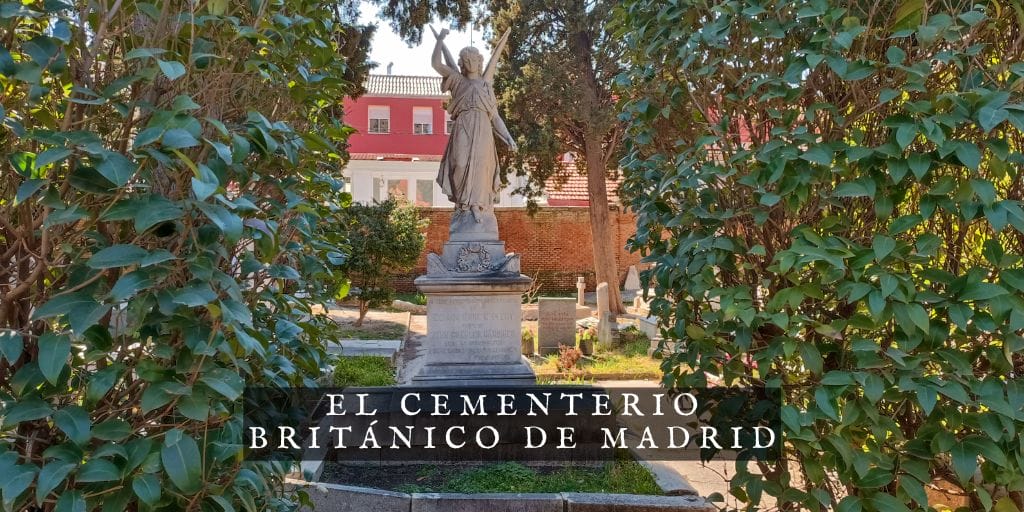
point(422, 120)
point(447, 123)
point(378, 188)
point(398, 189)
point(424, 192)
point(380, 119)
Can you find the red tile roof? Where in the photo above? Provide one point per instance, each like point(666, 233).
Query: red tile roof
point(573, 190)
point(404, 85)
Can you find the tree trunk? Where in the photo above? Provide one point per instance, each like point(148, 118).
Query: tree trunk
point(604, 241)
point(364, 307)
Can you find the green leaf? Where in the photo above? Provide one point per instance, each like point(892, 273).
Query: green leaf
point(981, 291)
point(178, 138)
point(147, 488)
point(895, 55)
point(965, 461)
point(52, 474)
point(905, 134)
point(225, 382)
point(52, 155)
point(229, 223)
point(882, 246)
point(172, 69)
point(120, 255)
point(54, 352)
point(98, 470)
point(195, 294)
point(116, 168)
point(112, 430)
point(181, 461)
point(989, 117)
point(968, 154)
point(874, 387)
point(28, 189)
point(130, 284)
point(919, 164)
point(26, 410)
point(71, 501)
point(15, 481)
point(75, 422)
point(11, 345)
point(156, 209)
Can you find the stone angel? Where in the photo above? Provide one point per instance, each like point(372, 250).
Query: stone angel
point(469, 173)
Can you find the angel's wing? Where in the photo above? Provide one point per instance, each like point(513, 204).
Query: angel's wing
point(495, 57)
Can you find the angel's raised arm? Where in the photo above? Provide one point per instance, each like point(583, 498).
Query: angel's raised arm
point(495, 57)
point(439, 48)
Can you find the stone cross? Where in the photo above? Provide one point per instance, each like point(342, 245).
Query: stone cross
point(581, 288)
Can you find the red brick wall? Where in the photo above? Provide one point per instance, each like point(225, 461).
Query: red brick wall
point(554, 244)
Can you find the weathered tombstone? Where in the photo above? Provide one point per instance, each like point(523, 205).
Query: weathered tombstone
point(581, 288)
point(632, 279)
point(604, 316)
point(556, 324)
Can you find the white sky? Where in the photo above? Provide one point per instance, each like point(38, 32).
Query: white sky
point(388, 47)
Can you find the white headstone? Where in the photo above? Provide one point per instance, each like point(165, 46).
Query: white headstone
point(632, 279)
point(556, 324)
point(604, 316)
point(581, 289)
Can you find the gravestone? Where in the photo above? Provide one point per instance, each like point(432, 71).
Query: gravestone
point(556, 324)
point(581, 289)
point(632, 280)
point(604, 316)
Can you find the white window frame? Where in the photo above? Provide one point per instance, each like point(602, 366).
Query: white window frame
point(370, 119)
point(416, 126)
point(447, 123)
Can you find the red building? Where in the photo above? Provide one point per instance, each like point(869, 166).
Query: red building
point(401, 132)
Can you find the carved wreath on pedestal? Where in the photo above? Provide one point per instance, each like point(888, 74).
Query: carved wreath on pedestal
point(473, 258)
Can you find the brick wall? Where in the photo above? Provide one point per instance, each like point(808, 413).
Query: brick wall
point(554, 244)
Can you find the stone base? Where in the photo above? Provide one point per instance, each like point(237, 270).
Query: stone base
point(474, 329)
point(475, 374)
point(469, 226)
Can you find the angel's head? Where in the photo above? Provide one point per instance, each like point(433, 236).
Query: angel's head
point(471, 61)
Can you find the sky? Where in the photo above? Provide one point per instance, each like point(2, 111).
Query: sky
point(388, 47)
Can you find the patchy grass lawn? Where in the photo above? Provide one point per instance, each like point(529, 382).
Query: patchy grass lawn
point(373, 330)
point(364, 371)
point(624, 476)
point(628, 359)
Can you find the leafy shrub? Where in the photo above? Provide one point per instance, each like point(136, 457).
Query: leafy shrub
point(832, 190)
point(528, 343)
point(165, 167)
point(384, 239)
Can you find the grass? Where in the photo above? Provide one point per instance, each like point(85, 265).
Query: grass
point(413, 297)
point(622, 476)
point(373, 330)
point(628, 358)
point(363, 371)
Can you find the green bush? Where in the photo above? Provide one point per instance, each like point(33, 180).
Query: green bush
point(831, 192)
point(165, 166)
point(385, 239)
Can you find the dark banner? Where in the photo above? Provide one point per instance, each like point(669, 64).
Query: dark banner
point(523, 423)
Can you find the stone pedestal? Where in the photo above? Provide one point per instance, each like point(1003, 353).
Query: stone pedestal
point(474, 320)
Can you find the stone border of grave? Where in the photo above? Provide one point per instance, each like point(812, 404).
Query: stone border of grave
point(344, 498)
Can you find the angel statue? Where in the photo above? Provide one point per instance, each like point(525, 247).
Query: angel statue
point(469, 173)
